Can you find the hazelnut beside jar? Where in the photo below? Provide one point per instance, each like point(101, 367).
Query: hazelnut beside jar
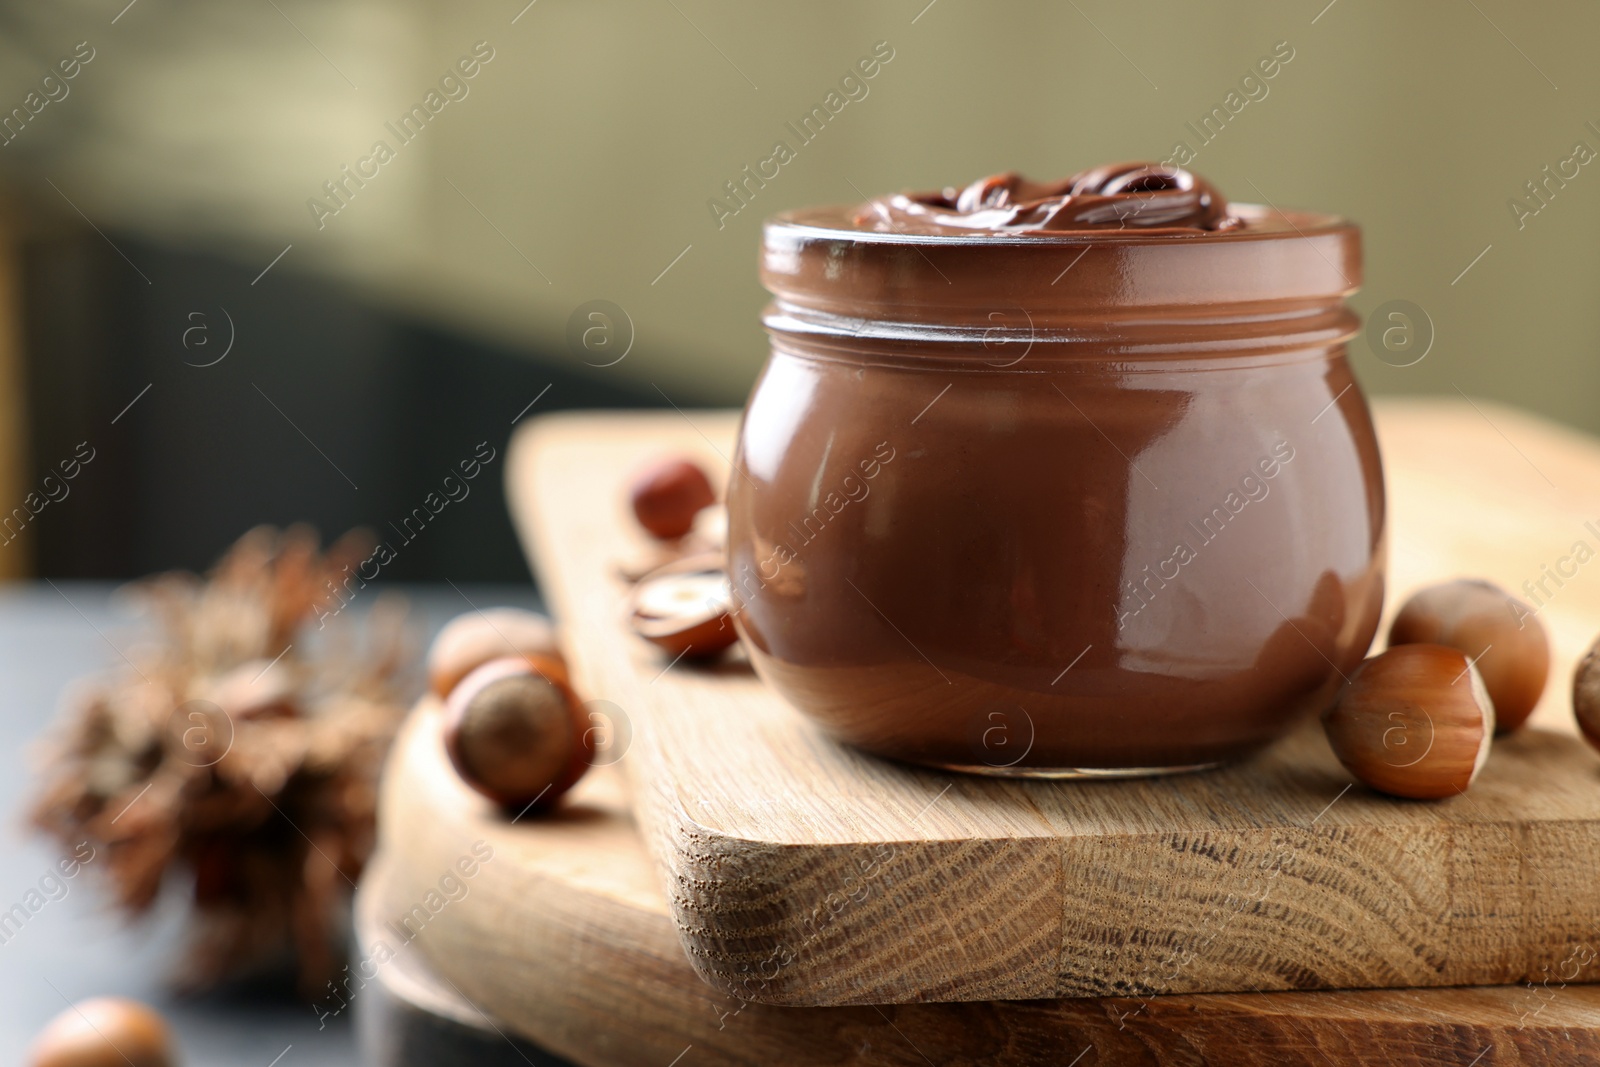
point(1503, 636)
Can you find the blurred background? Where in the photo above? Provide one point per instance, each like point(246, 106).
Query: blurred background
point(264, 261)
point(193, 283)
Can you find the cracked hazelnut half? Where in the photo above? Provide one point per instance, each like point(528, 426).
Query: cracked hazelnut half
point(1507, 641)
point(515, 732)
point(1415, 721)
point(685, 608)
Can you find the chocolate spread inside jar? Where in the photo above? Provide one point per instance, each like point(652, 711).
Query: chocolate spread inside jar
point(1058, 479)
point(1120, 196)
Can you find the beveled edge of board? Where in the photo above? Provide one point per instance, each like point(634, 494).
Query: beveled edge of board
point(596, 972)
point(768, 922)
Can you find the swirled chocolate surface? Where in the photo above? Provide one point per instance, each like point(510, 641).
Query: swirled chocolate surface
point(1138, 197)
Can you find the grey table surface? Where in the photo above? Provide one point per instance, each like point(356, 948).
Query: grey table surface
point(76, 946)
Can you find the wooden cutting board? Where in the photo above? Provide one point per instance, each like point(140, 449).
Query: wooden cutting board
point(410, 1016)
point(563, 936)
point(800, 872)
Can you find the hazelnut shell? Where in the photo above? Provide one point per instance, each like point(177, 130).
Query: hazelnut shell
point(1586, 695)
point(668, 495)
point(469, 641)
point(1502, 633)
point(1415, 721)
point(685, 608)
point(516, 732)
point(104, 1032)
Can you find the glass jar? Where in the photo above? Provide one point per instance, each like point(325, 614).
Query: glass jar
point(1073, 503)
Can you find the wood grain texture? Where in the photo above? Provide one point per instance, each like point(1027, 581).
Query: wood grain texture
point(800, 872)
point(408, 1016)
point(565, 937)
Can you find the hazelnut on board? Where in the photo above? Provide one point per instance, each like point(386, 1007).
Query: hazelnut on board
point(1415, 721)
point(1586, 694)
point(516, 732)
point(104, 1032)
point(667, 495)
point(469, 641)
point(1501, 633)
point(685, 608)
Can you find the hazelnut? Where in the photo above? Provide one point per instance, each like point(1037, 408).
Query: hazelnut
point(516, 732)
point(685, 608)
point(469, 641)
point(1501, 633)
point(1415, 721)
point(668, 495)
point(104, 1032)
point(1586, 694)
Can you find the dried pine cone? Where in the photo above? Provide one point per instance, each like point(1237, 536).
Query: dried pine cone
point(241, 748)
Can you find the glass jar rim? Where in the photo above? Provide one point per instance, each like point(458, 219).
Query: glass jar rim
point(833, 223)
point(1288, 262)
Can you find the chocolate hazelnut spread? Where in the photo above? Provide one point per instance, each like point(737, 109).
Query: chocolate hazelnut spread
point(1040, 481)
point(1145, 196)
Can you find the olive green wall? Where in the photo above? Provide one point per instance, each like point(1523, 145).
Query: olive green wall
point(581, 162)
